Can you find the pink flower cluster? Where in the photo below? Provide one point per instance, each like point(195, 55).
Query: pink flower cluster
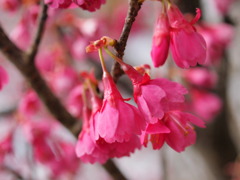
point(173, 31)
point(203, 101)
point(114, 128)
point(90, 5)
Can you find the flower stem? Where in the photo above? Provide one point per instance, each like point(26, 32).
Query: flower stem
point(102, 60)
point(120, 61)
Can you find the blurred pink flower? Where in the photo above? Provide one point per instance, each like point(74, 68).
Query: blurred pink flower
point(223, 5)
point(5, 146)
point(10, 5)
point(217, 37)
point(201, 77)
point(75, 102)
point(90, 5)
point(3, 77)
point(205, 104)
point(176, 128)
point(29, 104)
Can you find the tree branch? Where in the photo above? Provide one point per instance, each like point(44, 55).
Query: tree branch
point(134, 7)
point(30, 72)
point(39, 34)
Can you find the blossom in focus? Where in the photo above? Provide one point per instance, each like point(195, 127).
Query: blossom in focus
point(3, 77)
point(161, 41)
point(117, 120)
point(187, 46)
point(175, 128)
point(154, 97)
point(91, 150)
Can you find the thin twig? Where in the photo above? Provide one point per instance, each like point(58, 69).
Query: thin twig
point(39, 34)
point(134, 7)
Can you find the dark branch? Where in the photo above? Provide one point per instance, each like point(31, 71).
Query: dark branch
point(30, 72)
point(134, 7)
point(39, 34)
point(113, 169)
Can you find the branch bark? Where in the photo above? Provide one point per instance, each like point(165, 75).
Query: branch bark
point(134, 7)
point(39, 34)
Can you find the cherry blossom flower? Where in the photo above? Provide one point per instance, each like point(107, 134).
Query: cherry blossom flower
point(154, 97)
point(175, 128)
point(201, 77)
point(3, 77)
point(205, 104)
point(93, 150)
point(161, 41)
point(10, 5)
point(117, 120)
point(217, 37)
point(223, 5)
point(6, 146)
point(29, 104)
point(187, 46)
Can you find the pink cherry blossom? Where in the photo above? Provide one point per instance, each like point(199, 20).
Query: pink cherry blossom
point(205, 104)
point(201, 77)
point(91, 150)
point(6, 146)
point(90, 5)
point(154, 97)
point(187, 46)
point(29, 104)
point(75, 102)
point(217, 37)
point(161, 41)
point(175, 128)
point(3, 77)
point(117, 120)
point(223, 5)
point(10, 5)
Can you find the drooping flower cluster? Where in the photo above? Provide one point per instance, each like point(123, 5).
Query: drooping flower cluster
point(112, 124)
point(173, 31)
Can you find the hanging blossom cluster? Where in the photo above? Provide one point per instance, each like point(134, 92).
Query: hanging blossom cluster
point(114, 128)
point(173, 31)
